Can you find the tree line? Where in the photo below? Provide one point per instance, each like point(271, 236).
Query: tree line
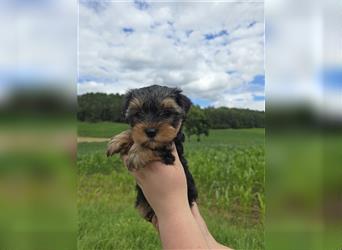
point(95, 107)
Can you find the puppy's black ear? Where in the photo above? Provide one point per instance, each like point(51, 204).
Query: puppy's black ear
point(184, 102)
point(126, 100)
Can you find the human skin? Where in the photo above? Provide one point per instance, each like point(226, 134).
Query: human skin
point(212, 243)
point(179, 226)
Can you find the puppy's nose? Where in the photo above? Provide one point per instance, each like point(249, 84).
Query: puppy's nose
point(151, 132)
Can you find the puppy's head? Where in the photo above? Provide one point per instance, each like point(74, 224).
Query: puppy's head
point(155, 114)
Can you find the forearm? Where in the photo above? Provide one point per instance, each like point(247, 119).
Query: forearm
point(179, 230)
point(212, 243)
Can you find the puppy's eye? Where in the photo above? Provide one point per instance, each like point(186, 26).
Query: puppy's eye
point(166, 113)
point(139, 114)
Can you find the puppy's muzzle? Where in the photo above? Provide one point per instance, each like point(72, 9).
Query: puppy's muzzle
point(151, 132)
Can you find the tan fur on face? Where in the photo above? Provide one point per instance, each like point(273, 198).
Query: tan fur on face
point(165, 134)
point(170, 103)
point(138, 133)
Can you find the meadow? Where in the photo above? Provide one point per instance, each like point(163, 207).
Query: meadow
point(228, 167)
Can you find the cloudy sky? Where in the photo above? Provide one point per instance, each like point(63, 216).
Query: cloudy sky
point(213, 51)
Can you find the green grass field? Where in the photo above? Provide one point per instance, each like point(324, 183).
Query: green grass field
point(228, 167)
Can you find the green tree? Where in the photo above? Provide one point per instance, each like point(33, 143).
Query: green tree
point(196, 123)
point(94, 107)
point(223, 117)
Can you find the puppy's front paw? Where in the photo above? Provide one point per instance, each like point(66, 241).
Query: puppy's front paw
point(120, 143)
point(133, 162)
point(114, 146)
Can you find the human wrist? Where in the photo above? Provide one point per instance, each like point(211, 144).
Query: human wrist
point(181, 224)
point(174, 209)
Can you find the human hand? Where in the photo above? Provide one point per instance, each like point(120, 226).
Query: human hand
point(164, 186)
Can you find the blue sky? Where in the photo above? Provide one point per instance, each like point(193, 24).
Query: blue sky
point(213, 51)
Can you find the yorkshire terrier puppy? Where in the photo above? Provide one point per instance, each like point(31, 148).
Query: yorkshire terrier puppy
point(155, 114)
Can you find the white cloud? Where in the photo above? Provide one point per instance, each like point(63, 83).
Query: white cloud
point(168, 46)
point(241, 100)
